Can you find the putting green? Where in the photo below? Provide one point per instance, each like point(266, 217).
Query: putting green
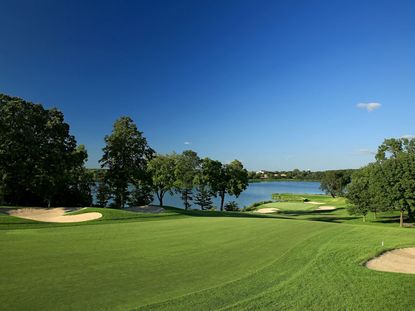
point(183, 262)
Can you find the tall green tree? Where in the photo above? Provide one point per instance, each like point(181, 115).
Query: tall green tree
point(222, 179)
point(386, 185)
point(40, 161)
point(126, 155)
point(359, 193)
point(395, 180)
point(187, 167)
point(203, 197)
point(162, 171)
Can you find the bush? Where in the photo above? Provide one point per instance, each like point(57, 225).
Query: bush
point(141, 195)
point(231, 206)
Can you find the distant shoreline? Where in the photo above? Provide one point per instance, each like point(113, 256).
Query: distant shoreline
point(281, 179)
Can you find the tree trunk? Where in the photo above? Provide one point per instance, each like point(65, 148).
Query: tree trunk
point(160, 197)
point(186, 200)
point(2, 196)
point(122, 200)
point(374, 215)
point(410, 214)
point(222, 200)
point(364, 218)
point(401, 220)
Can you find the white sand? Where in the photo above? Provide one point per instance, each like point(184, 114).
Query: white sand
point(313, 202)
point(399, 260)
point(269, 210)
point(325, 208)
point(52, 214)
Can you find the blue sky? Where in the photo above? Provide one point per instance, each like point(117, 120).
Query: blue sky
point(275, 84)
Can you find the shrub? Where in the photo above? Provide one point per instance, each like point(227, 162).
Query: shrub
point(231, 206)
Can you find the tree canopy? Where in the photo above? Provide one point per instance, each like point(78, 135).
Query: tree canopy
point(40, 161)
point(334, 182)
point(186, 169)
point(162, 171)
point(125, 157)
point(387, 184)
point(225, 179)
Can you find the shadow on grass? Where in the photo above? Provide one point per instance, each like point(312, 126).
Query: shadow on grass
point(388, 220)
point(199, 213)
point(309, 212)
point(335, 219)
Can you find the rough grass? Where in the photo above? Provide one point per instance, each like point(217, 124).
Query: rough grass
point(184, 261)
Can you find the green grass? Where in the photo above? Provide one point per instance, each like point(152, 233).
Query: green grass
point(181, 260)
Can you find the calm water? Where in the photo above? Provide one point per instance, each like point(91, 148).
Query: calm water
point(260, 191)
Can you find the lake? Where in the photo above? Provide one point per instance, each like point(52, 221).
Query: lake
point(256, 192)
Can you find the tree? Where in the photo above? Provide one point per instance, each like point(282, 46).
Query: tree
point(103, 194)
point(187, 166)
point(395, 179)
point(203, 197)
point(222, 179)
point(126, 156)
point(386, 185)
point(162, 172)
point(141, 194)
point(40, 161)
point(396, 176)
point(334, 182)
point(391, 147)
point(358, 193)
point(237, 178)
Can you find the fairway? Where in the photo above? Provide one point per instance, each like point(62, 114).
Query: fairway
point(183, 262)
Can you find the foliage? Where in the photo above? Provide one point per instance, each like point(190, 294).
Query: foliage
point(141, 195)
point(359, 192)
point(203, 197)
point(295, 174)
point(162, 171)
point(223, 179)
point(125, 157)
point(334, 182)
point(186, 169)
point(40, 162)
point(103, 194)
point(391, 147)
point(389, 183)
point(232, 206)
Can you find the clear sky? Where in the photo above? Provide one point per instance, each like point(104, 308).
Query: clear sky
point(275, 84)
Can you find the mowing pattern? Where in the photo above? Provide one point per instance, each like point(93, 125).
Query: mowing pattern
point(203, 263)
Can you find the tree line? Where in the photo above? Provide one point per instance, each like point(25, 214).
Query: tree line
point(42, 164)
point(134, 172)
point(294, 174)
point(388, 184)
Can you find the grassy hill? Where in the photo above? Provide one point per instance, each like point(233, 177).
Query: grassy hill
point(184, 261)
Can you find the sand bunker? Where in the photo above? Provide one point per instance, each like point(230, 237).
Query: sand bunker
point(325, 208)
point(267, 210)
point(151, 209)
point(52, 214)
point(399, 260)
point(312, 202)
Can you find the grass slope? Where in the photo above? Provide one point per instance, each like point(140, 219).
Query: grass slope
point(183, 261)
